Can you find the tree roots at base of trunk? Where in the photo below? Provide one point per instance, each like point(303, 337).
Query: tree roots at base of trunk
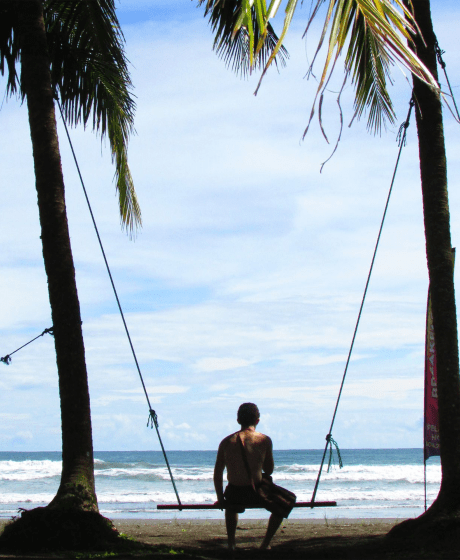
point(430, 530)
point(46, 529)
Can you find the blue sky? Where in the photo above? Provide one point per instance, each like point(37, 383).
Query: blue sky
point(245, 282)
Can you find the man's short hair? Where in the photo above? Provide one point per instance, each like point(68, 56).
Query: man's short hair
point(248, 414)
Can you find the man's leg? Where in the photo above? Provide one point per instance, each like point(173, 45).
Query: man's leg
point(231, 522)
point(273, 523)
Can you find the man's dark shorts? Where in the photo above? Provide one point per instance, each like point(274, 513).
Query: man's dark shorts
point(239, 497)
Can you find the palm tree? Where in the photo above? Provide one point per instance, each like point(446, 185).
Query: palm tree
point(74, 50)
point(433, 172)
point(374, 34)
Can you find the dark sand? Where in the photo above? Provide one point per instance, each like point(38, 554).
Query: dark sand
point(211, 534)
point(353, 539)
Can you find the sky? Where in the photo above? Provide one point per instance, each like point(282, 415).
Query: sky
point(245, 281)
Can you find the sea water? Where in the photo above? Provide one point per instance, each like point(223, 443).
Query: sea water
point(386, 483)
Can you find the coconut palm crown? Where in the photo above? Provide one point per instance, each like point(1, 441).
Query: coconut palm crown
point(89, 73)
point(372, 34)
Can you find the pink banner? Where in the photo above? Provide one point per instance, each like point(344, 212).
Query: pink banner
point(431, 431)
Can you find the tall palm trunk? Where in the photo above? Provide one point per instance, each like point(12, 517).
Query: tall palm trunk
point(433, 170)
point(77, 482)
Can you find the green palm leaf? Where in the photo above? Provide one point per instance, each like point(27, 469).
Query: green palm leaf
point(377, 34)
point(369, 66)
point(9, 45)
point(245, 43)
point(90, 71)
point(374, 34)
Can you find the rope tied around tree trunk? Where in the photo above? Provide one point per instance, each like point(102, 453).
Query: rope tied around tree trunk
point(439, 52)
point(7, 359)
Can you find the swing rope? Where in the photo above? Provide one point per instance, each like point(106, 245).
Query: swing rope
point(330, 442)
point(439, 53)
point(153, 418)
point(7, 359)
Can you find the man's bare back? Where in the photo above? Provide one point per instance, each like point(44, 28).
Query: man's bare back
point(259, 451)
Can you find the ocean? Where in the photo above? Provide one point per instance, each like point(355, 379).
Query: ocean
point(385, 483)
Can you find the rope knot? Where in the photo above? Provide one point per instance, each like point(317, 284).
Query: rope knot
point(439, 52)
point(401, 136)
point(331, 442)
point(153, 419)
point(7, 359)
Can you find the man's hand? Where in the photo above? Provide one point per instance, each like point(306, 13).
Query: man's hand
point(220, 503)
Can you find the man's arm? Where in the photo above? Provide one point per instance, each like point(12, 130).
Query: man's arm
point(219, 468)
point(269, 463)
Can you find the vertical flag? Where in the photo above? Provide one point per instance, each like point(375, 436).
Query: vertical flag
point(431, 443)
point(431, 425)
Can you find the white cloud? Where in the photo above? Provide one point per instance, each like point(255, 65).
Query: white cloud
point(220, 364)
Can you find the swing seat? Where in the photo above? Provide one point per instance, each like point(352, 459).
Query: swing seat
point(215, 506)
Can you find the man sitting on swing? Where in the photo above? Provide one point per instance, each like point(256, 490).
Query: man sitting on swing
point(248, 457)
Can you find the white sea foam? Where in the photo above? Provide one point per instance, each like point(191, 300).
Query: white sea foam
point(162, 473)
point(31, 499)
point(409, 473)
point(348, 496)
point(29, 470)
point(366, 495)
point(136, 483)
point(157, 498)
point(32, 470)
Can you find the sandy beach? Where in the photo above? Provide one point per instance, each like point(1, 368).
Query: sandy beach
point(211, 535)
point(354, 539)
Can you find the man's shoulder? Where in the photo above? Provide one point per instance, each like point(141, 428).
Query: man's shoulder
point(228, 439)
point(255, 438)
point(263, 438)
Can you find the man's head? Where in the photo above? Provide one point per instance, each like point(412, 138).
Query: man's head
point(248, 414)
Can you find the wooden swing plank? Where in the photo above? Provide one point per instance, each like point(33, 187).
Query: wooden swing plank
point(215, 506)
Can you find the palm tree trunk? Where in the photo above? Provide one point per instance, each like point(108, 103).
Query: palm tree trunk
point(433, 171)
point(77, 489)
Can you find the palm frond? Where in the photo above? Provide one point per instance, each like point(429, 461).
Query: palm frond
point(9, 45)
point(90, 71)
point(369, 65)
point(290, 9)
point(244, 43)
point(376, 32)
